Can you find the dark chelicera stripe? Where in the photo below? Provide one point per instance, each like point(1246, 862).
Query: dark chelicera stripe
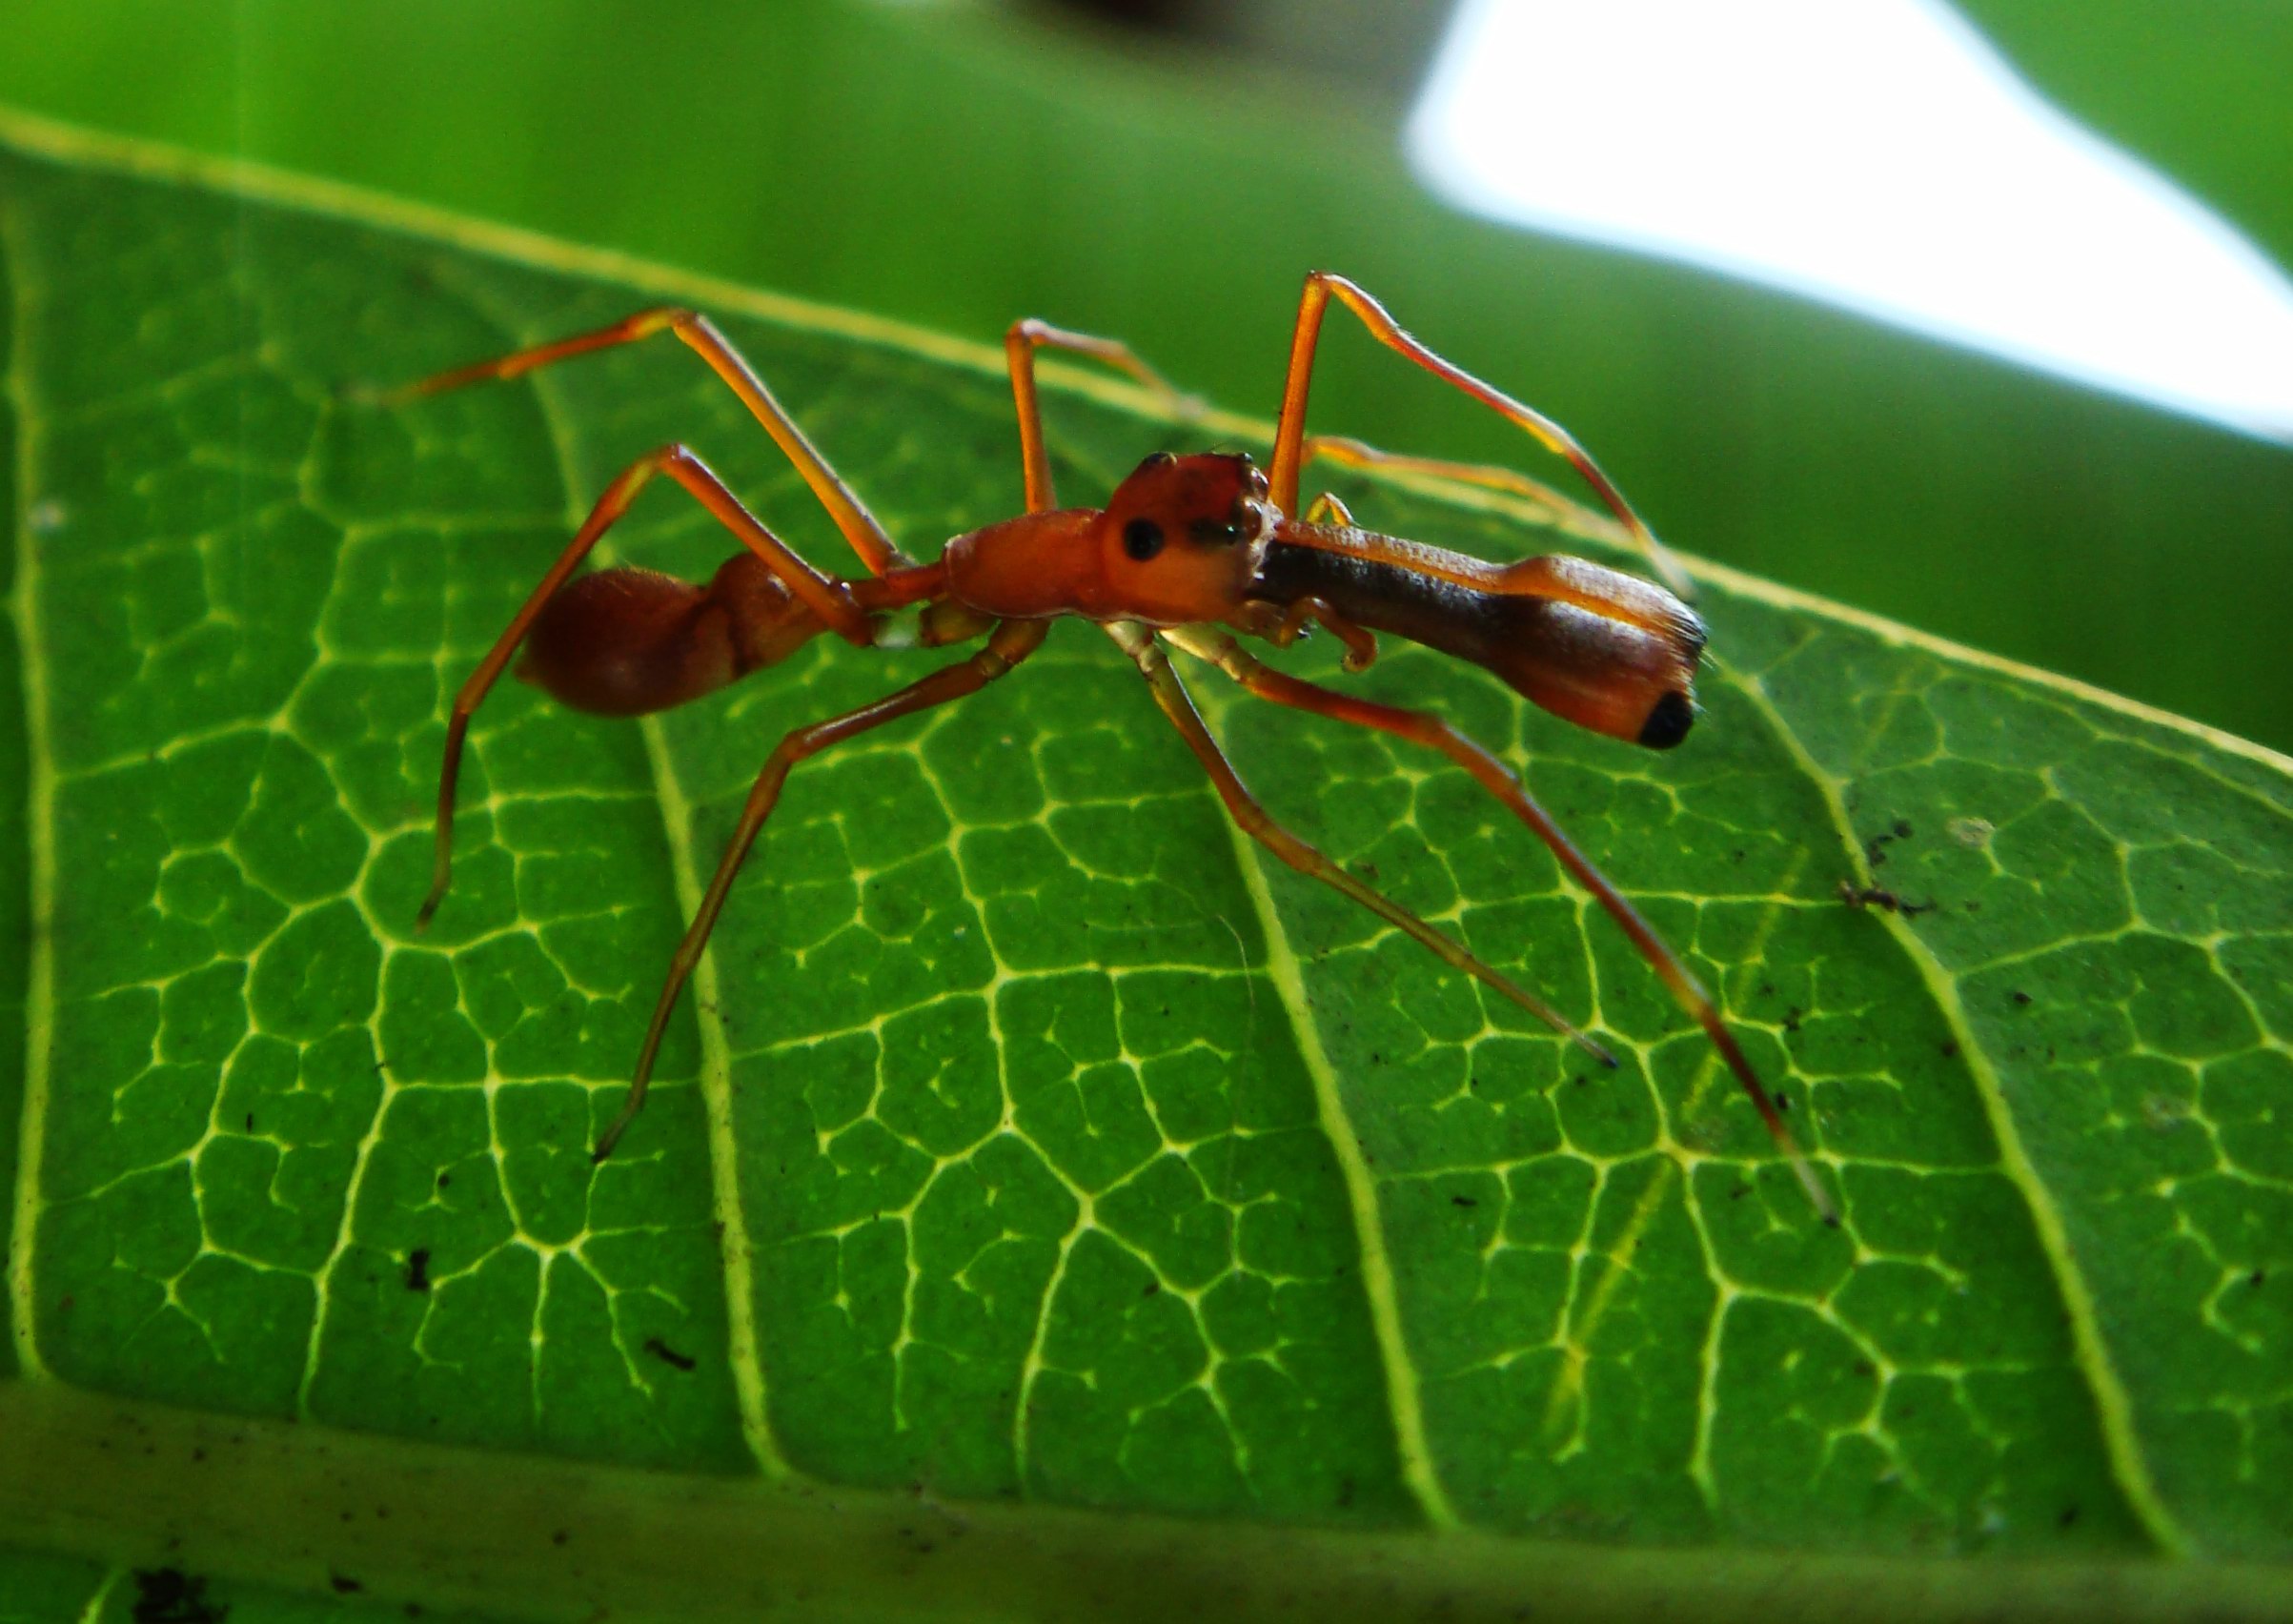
point(1456, 620)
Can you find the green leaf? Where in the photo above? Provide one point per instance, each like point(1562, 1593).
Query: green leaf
point(1028, 1142)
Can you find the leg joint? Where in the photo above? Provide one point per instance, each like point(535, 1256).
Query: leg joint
point(1253, 819)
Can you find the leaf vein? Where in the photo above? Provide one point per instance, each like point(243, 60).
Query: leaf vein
point(1379, 1288)
point(39, 809)
point(744, 1350)
point(2113, 1404)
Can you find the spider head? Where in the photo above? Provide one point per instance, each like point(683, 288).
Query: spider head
point(1181, 538)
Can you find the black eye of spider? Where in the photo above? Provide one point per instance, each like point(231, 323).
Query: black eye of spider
point(1142, 538)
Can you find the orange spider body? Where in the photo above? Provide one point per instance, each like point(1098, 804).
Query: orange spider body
point(1186, 551)
point(1184, 541)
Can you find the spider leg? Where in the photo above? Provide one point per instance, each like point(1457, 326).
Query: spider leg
point(1289, 434)
point(1010, 642)
point(697, 332)
point(1419, 727)
point(1021, 341)
point(1552, 507)
point(1255, 820)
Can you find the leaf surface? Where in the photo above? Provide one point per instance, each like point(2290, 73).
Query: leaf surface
point(1028, 1136)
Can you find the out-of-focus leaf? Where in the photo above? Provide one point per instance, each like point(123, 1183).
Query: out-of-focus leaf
point(2200, 93)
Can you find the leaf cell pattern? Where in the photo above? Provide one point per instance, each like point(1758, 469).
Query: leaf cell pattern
point(1027, 1135)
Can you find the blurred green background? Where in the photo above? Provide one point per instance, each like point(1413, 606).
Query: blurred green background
point(1169, 179)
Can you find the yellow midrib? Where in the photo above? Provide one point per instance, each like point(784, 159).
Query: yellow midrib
point(2114, 1406)
point(1380, 1288)
point(743, 1351)
point(39, 811)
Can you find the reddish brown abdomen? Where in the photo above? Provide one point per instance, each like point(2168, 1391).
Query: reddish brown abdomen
point(629, 641)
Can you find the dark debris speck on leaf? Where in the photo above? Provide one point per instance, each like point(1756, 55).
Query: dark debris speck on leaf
point(170, 1596)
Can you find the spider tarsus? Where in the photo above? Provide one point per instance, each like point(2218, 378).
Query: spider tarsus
point(608, 1139)
point(1816, 1193)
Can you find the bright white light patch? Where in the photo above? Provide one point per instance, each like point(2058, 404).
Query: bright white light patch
point(1873, 152)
